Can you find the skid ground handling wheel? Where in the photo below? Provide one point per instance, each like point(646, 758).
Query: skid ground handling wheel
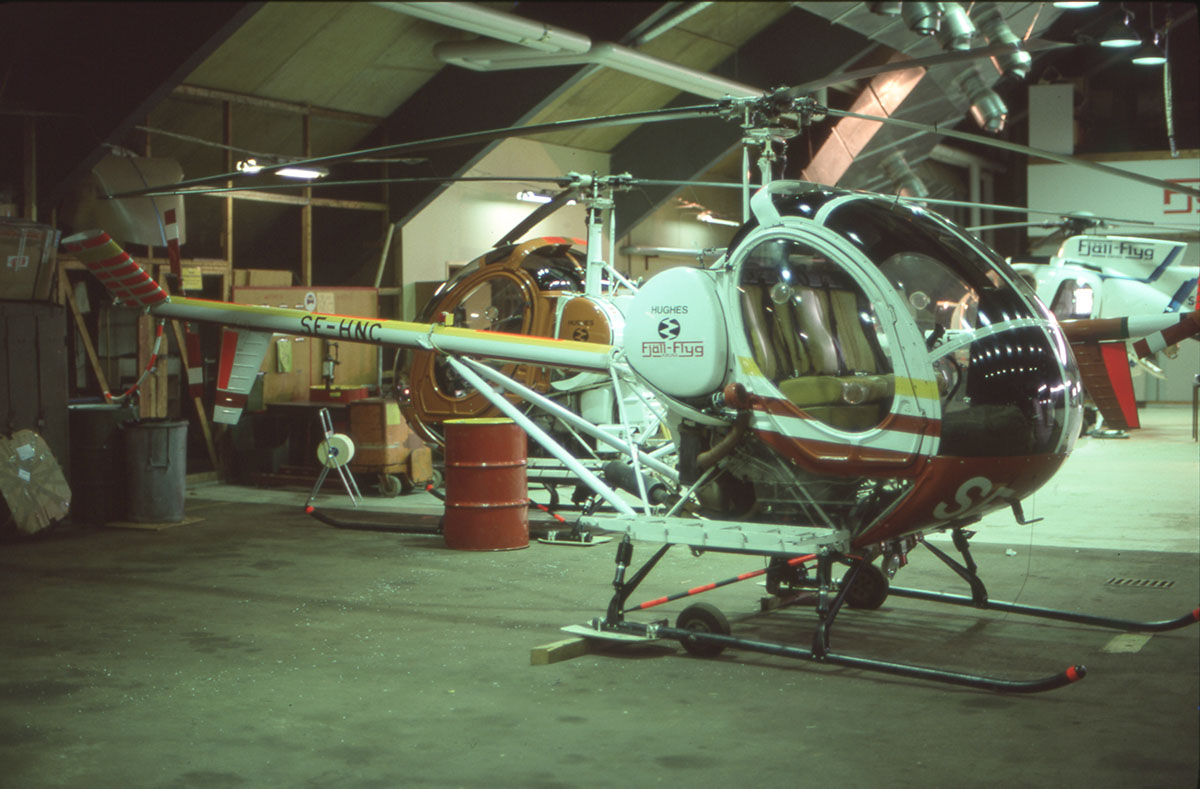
point(702, 618)
point(869, 590)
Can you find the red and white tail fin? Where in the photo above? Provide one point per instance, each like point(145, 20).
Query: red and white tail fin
point(121, 274)
point(242, 352)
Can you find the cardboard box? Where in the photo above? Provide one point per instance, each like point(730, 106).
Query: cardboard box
point(261, 278)
point(290, 375)
point(28, 254)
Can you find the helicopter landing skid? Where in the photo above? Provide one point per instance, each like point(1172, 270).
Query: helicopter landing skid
point(703, 630)
point(979, 597)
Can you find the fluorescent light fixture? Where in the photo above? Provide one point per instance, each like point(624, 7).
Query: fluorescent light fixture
point(533, 197)
point(707, 217)
point(537, 197)
point(1073, 5)
point(308, 173)
point(253, 167)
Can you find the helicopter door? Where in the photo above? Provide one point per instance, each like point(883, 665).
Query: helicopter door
point(826, 363)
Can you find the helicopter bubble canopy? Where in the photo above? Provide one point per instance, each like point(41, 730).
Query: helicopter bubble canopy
point(880, 327)
point(675, 336)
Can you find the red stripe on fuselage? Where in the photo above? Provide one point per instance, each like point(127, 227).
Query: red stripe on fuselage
point(901, 423)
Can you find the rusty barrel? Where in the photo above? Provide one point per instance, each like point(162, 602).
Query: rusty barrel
point(486, 491)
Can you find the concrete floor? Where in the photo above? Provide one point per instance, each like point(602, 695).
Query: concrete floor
point(258, 647)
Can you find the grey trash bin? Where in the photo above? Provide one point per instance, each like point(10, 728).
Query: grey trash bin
point(155, 470)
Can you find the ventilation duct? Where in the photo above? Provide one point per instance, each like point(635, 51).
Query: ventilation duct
point(904, 180)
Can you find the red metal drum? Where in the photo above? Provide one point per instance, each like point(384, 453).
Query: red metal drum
point(487, 498)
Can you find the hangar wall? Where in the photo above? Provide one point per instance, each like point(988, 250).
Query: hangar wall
point(467, 219)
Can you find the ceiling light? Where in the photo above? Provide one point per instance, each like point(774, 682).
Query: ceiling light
point(303, 172)
point(1149, 54)
point(254, 167)
point(997, 31)
point(708, 217)
point(537, 197)
point(1118, 35)
point(533, 197)
point(924, 19)
point(957, 29)
point(1072, 5)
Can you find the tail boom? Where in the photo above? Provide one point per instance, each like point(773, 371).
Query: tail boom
point(133, 287)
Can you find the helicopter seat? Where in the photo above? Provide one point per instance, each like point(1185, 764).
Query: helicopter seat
point(843, 386)
point(793, 346)
point(847, 402)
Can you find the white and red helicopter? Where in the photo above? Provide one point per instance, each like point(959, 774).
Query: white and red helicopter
point(854, 372)
point(1098, 276)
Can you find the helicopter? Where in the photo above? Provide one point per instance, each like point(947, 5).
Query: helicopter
point(1098, 276)
point(547, 287)
point(854, 372)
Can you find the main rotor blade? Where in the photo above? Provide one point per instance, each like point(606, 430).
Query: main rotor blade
point(1003, 225)
point(170, 190)
point(1060, 214)
point(659, 182)
point(452, 140)
point(1025, 149)
point(1033, 45)
point(541, 212)
point(199, 190)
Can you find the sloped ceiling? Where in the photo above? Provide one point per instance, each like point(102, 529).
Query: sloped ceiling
point(80, 76)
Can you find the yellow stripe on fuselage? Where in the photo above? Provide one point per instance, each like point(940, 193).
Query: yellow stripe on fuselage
point(905, 387)
point(516, 339)
point(436, 330)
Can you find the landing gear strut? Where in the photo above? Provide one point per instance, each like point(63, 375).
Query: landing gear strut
point(979, 596)
point(705, 632)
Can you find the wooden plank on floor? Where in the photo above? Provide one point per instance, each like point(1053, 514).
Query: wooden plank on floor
point(150, 526)
point(566, 649)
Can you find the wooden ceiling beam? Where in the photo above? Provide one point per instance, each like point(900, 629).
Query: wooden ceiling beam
point(262, 102)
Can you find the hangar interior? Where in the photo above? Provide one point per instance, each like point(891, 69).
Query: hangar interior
point(175, 617)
